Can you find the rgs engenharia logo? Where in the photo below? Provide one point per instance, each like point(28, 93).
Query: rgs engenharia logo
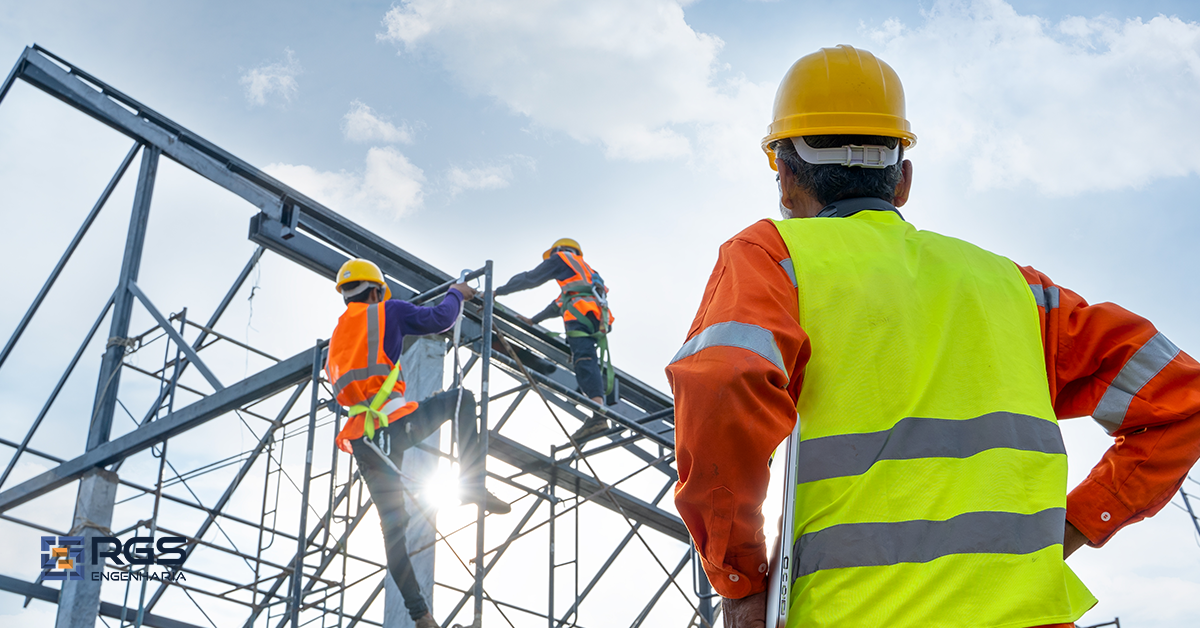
point(64, 557)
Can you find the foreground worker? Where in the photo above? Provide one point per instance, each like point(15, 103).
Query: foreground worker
point(583, 306)
point(928, 375)
point(364, 368)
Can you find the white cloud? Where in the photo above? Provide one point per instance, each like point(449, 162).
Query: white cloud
point(1084, 104)
point(272, 78)
point(488, 177)
point(361, 124)
point(631, 75)
point(389, 183)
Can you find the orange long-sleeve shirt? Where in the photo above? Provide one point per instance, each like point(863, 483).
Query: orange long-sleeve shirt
point(733, 407)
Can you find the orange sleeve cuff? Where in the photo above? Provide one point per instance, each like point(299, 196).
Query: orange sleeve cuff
point(746, 575)
point(1097, 512)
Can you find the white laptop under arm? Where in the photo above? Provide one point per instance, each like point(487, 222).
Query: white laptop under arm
point(779, 581)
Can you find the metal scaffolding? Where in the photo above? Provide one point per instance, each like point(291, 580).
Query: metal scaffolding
point(290, 494)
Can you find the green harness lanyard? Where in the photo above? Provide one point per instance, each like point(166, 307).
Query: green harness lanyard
point(372, 411)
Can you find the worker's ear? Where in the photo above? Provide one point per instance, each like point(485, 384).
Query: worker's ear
point(905, 185)
point(786, 181)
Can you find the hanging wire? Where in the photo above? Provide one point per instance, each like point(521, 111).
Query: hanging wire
point(250, 317)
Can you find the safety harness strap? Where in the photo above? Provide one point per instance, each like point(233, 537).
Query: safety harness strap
point(601, 338)
point(373, 410)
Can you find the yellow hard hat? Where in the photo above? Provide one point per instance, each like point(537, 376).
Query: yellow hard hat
point(562, 242)
point(362, 270)
point(839, 91)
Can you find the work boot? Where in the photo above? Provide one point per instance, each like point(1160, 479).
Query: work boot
point(490, 502)
point(427, 621)
point(590, 427)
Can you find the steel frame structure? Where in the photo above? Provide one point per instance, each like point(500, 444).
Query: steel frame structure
point(303, 569)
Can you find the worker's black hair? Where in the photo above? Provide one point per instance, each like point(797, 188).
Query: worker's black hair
point(833, 182)
point(358, 298)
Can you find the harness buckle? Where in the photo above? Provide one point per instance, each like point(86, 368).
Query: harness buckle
point(383, 440)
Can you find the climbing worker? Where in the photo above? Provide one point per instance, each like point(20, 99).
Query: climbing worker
point(928, 376)
point(583, 305)
point(364, 369)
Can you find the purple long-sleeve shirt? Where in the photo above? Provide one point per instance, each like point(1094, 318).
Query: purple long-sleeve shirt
point(402, 317)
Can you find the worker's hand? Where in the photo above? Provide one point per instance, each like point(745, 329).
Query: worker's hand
point(525, 319)
point(466, 291)
point(1073, 539)
point(748, 612)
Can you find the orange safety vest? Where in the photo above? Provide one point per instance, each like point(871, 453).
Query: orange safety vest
point(581, 293)
point(358, 367)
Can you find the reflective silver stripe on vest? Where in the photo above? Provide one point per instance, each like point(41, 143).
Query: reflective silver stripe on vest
point(576, 267)
point(734, 334)
point(374, 368)
point(854, 454)
point(373, 346)
point(883, 544)
point(1047, 298)
point(354, 375)
point(790, 270)
point(395, 402)
point(1137, 372)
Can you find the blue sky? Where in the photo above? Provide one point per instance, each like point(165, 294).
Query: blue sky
point(1060, 134)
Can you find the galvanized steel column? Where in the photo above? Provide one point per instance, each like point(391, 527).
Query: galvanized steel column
point(79, 603)
point(424, 364)
point(110, 368)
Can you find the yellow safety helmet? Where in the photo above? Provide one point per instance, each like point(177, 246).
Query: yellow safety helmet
point(362, 270)
point(839, 91)
point(561, 242)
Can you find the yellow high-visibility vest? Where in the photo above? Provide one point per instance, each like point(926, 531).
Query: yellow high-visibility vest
point(931, 481)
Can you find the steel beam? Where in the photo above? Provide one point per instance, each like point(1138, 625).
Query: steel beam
point(12, 77)
point(534, 463)
point(66, 256)
point(260, 385)
point(415, 276)
point(80, 599)
point(93, 97)
point(1191, 513)
point(297, 596)
point(97, 492)
point(662, 589)
point(110, 368)
point(319, 239)
point(198, 343)
point(108, 105)
point(612, 557)
point(499, 552)
point(489, 301)
point(166, 326)
point(107, 609)
point(237, 480)
point(62, 380)
point(312, 537)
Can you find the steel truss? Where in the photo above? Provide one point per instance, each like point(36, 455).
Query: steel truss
point(309, 500)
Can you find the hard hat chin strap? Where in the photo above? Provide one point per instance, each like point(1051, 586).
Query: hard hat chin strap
point(851, 156)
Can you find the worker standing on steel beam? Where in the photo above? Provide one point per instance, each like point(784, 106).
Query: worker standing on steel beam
point(583, 305)
point(364, 368)
point(928, 375)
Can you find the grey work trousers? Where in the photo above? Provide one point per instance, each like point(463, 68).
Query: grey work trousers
point(388, 490)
